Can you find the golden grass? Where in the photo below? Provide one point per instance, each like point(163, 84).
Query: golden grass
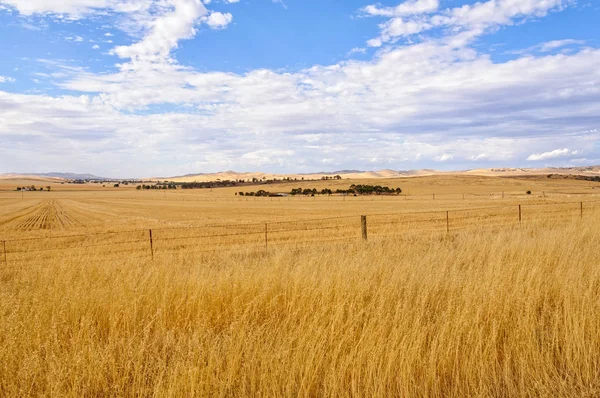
point(491, 309)
point(513, 313)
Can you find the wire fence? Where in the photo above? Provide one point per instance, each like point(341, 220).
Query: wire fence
point(200, 195)
point(149, 243)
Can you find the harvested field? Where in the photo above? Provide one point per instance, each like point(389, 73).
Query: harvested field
point(206, 294)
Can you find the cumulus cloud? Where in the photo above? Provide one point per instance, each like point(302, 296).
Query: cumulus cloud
point(409, 106)
point(161, 24)
point(555, 154)
point(217, 20)
point(165, 32)
point(6, 79)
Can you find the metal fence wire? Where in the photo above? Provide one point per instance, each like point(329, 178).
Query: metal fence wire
point(262, 236)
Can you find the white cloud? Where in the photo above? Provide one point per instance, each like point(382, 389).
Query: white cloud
point(555, 154)
point(467, 21)
point(165, 32)
point(95, 47)
point(481, 156)
point(357, 50)
point(73, 8)
point(217, 20)
point(410, 7)
point(6, 79)
point(374, 42)
point(553, 45)
point(444, 157)
point(160, 23)
point(280, 2)
point(408, 105)
point(76, 39)
point(549, 46)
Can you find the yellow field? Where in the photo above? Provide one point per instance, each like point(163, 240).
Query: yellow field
point(282, 296)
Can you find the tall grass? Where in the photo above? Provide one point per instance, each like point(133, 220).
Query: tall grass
point(509, 313)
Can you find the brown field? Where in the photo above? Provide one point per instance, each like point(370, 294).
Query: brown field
point(451, 295)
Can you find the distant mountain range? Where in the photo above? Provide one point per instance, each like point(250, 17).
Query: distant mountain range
point(53, 175)
point(358, 174)
point(345, 174)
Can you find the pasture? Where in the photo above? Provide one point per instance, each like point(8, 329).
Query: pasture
point(466, 286)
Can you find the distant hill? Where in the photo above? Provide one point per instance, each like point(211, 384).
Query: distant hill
point(358, 174)
point(344, 174)
point(53, 175)
point(232, 175)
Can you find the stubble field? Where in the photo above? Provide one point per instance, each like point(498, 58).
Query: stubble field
point(451, 295)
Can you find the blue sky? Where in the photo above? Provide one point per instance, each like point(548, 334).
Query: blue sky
point(139, 88)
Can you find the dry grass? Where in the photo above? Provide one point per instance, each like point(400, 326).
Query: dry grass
point(508, 312)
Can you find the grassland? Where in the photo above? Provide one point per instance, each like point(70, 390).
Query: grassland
point(492, 308)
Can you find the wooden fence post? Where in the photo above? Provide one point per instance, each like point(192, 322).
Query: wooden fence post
point(433, 196)
point(581, 210)
point(447, 221)
point(520, 218)
point(363, 226)
point(151, 245)
point(4, 251)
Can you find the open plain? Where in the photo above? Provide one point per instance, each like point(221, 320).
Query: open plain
point(465, 286)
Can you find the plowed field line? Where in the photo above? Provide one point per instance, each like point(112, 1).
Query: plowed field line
point(47, 215)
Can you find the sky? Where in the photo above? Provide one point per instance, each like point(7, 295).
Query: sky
point(140, 88)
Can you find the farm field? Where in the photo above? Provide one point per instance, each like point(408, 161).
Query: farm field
point(466, 286)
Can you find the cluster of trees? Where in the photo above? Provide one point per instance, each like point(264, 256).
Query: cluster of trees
point(310, 192)
point(33, 188)
point(576, 177)
point(243, 182)
point(260, 192)
point(353, 190)
point(207, 184)
point(337, 177)
point(374, 190)
point(156, 186)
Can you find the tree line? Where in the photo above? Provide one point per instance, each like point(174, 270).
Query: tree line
point(353, 190)
point(156, 186)
point(33, 188)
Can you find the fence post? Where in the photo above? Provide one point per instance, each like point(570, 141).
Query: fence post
point(433, 196)
point(520, 218)
point(266, 236)
point(581, 210)
point(447, 221)
point(151, 245)
point(363, 226)
point(4, 251)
